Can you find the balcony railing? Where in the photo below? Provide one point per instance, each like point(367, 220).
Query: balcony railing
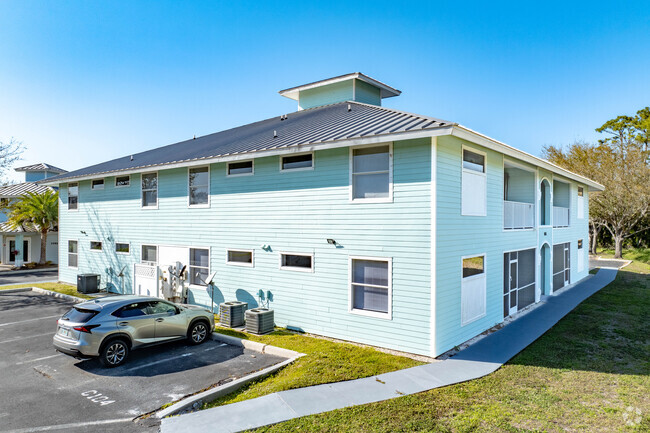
point(517, 215)
point(560, 216)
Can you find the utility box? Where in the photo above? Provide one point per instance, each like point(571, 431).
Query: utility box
point(88, 283)
point(231, 314)
point(259, 321)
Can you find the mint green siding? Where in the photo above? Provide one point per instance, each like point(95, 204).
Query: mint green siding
point(350, 90)
point(458, 236)
point(292, 212)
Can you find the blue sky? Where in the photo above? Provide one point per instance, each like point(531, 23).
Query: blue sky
point(83, 82)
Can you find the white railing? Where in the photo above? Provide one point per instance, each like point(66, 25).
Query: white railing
point(518, 215)
point(560, 216)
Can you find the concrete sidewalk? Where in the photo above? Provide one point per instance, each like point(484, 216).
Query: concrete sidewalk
point(478, 360)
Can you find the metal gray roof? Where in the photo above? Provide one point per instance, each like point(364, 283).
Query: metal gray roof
point(6, 228)
point(330, 123)
point(12, 191)
point(41, 167)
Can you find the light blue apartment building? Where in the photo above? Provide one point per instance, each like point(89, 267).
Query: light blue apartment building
point(351, 220)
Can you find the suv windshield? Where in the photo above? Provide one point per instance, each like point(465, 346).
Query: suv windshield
point(79, 315)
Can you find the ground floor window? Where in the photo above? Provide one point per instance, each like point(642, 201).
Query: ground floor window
point(95, 246)
point(518, 280)
point(240, 257)
point(149, 254)
point(73, 255)
point(122, 247)
point(561, 265)
point(370, 281)
point(297, 262)
point(473, 289)
point(199, 265)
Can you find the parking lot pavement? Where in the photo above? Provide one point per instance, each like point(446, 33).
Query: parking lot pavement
point(9, 278)
point(43, 390)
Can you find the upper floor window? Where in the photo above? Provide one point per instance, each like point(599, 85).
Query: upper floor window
point(371, 172)
point(199, 184)
point(473, 161)
point(294, 162)
point(97, 184)
point(581, 202)
point(73, 195)
point(95, 246)
point(122, 247)
point(121, 181)
point(240, 257)
point(150, 190)
point(240, 168)
point(474, 184)
point(297, 262)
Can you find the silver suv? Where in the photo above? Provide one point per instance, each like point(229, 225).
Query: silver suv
point(110, 327)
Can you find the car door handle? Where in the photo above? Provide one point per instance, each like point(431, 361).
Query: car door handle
point(123, 323)
point(159, 319)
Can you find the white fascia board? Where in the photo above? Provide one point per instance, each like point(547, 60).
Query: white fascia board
point(386, 90)
point(301, 148)
point(465, 133)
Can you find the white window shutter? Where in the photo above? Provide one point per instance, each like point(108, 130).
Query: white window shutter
point(472, 298)
point(474, 194)
point(581, 207)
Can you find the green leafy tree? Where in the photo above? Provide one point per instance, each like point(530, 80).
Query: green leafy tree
point(38, 211)
point(620, 162)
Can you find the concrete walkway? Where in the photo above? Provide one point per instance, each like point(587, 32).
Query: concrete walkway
point(478, 360)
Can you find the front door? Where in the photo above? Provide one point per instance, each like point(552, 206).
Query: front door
point(12, 250)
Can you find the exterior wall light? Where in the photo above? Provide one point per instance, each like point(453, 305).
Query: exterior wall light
point(331, 241)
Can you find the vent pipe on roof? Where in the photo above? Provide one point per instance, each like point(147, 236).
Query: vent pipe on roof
point(131, 157)
point(275, 134)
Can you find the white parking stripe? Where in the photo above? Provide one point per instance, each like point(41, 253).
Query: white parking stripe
point(39, 359)
point(72, 425)
point(24, 338)
point(215, 347)
point(29, 320)
point(160, 361)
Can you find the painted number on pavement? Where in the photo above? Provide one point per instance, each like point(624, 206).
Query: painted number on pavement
point(97, 397)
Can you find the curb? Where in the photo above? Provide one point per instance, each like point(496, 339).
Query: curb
point(227, 388)
point(58, 295)
point(24, 289)
point(256, 346)
point(27, 271)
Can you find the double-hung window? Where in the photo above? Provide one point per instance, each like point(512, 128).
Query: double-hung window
point(199, 186)
point(73, 196)
point(150, 190)
point(474, 184)
point(73, 254)
point(370, 286)
point(371, 173)
point(199, 265)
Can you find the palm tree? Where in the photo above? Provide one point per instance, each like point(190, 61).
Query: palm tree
point(38, 211)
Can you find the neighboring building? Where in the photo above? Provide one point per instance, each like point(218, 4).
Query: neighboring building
point(26, 241)
point(331, 213)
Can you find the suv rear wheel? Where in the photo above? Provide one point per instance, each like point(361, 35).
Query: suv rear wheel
point(198, 332)
point(114, 353)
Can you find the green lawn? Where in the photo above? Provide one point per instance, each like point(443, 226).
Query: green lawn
point(66, 289)
point(638, 254)
point(590, 372)
point(324, 362)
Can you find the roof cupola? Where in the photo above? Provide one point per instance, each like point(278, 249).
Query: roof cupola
point(350, 87)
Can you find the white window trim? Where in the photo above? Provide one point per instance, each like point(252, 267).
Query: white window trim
point(67, 251)
point(148, 245)
point(122, 186)
point(388, 199)
point(313, 162)
point(68, 196)
point(295, 268)
point(246, 265)
point(142, 206)
point(91, 249)
point(475, 277)
point(200, 205)
point(252, 167)
point(467, 170)
point(375, 314)
point(121, 252)
point(97, 189)
point(189, 260)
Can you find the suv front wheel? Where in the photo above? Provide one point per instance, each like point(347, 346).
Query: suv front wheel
point(198, 332)
point(114, 353)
